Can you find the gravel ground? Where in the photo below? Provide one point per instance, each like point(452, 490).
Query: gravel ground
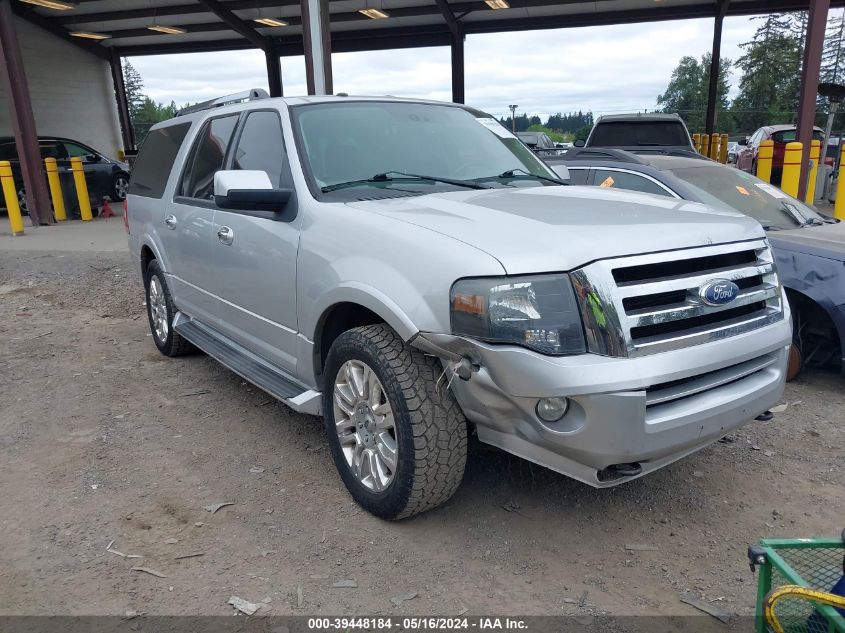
point(103, 440)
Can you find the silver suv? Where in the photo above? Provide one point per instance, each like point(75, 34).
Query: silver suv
point(410, 271)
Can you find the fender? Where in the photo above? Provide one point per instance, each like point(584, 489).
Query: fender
point(369, 297)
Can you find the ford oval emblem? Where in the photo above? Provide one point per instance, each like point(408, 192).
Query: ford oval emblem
point(718, 292)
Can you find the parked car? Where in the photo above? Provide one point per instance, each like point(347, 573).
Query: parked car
point(746, 158)
point(410, 271)
point(110, 176)
point(809, 248)
point(539, 142)
point(733, 149)
point(658, 133)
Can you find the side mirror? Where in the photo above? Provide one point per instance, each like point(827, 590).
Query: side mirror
point(93, 158)
point(562, 172)
point(580, 142)
point(249, 190)
point(743, 141)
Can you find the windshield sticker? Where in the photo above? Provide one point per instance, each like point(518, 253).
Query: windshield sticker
point(742, 190)
point(497, 128)
point(773, 191)
point(608, 182)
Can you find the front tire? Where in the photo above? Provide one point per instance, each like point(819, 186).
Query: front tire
point(398, 439)
point(160, 312)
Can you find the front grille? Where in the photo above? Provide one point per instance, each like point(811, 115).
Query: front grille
point(651, 303)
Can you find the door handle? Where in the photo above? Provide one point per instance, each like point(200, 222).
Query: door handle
point(225, 235)
point(170, 221)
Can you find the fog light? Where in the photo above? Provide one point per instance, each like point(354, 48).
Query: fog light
point(552, 409)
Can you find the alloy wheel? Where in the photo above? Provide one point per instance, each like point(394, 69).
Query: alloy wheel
point(158, 310)
point(365, 426)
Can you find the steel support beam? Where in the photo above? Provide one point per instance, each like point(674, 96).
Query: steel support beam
point(53, 26)
point(715, 68)
point(317, 44)
point(457, 48)
point(274, 72)
point(23, 121)
point(458, 93)
point(816, 24)
point(126, 131)
point(236, 24)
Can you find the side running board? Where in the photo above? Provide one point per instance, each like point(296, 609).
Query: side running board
point(249, 366)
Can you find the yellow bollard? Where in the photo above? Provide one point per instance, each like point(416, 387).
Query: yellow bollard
point(705, 145)
point(791, 168)
point(839, 206)
point(764, 160)
point(723, 149)
point(714, 147)
point(815, 152)
point(11, 196)
point(696, 141)
point(81, 189)
point(55, 189)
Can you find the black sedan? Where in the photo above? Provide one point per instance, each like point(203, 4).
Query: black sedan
point(107, 176)
point(809, 248)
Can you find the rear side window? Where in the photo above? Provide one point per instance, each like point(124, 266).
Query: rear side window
point(625, 180)
point(155, 160)
point(639, 133)
point(207, 157)
point(787, 136)
point(261, 147)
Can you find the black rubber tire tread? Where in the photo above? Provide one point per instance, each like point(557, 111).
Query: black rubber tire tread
point(175, 345)
point(430, 426)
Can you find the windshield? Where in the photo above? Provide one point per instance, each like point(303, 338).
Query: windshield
point(740, 191)
point(352, 141)
point(639, 133)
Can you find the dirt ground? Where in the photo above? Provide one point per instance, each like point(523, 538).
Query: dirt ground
point(102, 440)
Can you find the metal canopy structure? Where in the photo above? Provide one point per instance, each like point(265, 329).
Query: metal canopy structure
point(113, 29)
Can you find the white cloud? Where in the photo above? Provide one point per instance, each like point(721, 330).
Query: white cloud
point(604, 69)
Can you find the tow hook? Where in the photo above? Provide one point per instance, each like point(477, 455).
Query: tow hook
point(765, 416)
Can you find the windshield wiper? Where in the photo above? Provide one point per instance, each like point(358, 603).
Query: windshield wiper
point(511, 173)
point(385, 177)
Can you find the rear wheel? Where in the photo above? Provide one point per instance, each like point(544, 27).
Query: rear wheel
point(398, 440)
point(120, 186)
point(160, 312)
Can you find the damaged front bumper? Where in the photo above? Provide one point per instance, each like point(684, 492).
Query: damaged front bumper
point(626, 416)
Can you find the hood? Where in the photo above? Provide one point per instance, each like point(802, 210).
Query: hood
point(544, 229)
point(823, 241)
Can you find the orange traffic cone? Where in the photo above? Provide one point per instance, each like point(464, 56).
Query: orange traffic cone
point(106, 212)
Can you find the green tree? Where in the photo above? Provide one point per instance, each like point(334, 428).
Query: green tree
point(833, 55)
point(768, 89)
point(134, 88)
point(688, 90)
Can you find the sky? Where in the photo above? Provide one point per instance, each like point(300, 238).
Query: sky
point(606, 69)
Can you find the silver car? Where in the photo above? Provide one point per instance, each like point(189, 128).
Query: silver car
point(411, 272)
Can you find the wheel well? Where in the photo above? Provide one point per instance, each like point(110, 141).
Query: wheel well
point(337, 320)
point(811, 321)
point(147, 256)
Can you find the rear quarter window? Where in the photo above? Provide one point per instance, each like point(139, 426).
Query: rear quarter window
point(155, 160)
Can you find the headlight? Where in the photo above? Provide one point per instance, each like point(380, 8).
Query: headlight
point(539, 312)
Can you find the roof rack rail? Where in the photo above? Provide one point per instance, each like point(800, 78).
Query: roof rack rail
point(239, 97)
point(600, 153)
